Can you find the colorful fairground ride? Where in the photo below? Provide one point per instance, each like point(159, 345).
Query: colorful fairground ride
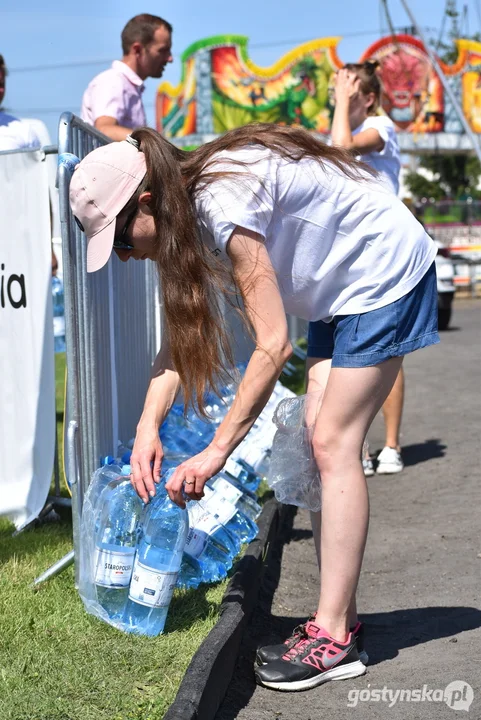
point(222, 88)
point(433, 109)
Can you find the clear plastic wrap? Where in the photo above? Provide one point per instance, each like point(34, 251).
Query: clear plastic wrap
point(293, 473)
point(109, 532)
point(88, 529)
point(130, 555)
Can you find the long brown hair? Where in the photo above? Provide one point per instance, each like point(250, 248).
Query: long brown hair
point(370, 82)
point(194, 284)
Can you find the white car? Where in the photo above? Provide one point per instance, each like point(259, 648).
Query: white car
point(445, 284)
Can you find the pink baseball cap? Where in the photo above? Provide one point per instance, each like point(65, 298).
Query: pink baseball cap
point(101, 186)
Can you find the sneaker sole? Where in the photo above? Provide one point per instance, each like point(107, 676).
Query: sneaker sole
point(389, 469)
point(363, 657)
point(368, 473)
point(342, 672)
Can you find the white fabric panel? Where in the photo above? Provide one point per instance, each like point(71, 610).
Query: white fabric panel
point(27, 383)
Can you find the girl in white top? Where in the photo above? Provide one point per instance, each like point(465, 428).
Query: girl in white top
point(298, 226)
point(357, 127)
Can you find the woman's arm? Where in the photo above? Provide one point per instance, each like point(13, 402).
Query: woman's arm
point(160, 397)
point(367, 141)
point(263, 304)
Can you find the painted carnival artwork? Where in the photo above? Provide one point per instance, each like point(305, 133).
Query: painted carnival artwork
point(221, 87)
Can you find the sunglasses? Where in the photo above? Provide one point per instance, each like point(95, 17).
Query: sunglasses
point(119, 243)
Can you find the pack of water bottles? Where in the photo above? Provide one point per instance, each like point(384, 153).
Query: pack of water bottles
point(132, 556)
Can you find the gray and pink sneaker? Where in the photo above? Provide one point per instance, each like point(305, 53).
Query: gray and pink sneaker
point(269, 653)
point(315, 659)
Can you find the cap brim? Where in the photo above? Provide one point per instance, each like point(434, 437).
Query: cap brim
point(99, 247)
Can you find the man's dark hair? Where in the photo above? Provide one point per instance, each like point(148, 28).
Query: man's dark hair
point(141, 29)
point(3, 67)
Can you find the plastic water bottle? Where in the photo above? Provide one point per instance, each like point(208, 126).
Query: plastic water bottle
point(244, 474)
point(58, 315)
point(180, 440)
point(236, 494)
point(235, 523)
point(209, 549)
point(116, 538)
point(157, 564)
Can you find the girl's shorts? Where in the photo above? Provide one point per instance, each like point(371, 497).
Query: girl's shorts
point(372, 337)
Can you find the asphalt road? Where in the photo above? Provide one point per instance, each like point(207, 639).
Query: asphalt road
point(419, 592)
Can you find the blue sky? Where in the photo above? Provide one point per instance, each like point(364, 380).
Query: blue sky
point(64, 34)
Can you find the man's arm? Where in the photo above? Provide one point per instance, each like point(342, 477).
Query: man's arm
point(110, 127)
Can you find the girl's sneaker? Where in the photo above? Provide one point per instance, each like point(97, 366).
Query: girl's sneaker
point(269, 653)
point(368, 467)
point(389, 461)
point(315, 659)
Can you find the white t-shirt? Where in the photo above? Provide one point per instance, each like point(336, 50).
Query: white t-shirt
point(388, 161)
point(338, 246)
point(16, 134)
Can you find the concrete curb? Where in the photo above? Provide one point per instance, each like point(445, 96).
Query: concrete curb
point(210, 671)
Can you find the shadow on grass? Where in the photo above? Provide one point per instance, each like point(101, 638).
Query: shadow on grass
point(189, 607)
point(48, 537)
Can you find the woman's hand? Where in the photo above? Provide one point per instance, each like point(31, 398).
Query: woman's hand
point(346, 85)
point(146, 462)
point(191, 476)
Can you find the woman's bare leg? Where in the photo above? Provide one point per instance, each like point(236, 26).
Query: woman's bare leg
point(392, 411)
point(317, 374)
point(352, 398)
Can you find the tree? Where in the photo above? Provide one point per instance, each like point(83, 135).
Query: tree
point(454, 176)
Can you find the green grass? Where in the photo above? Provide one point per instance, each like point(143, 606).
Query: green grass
point(58, 663)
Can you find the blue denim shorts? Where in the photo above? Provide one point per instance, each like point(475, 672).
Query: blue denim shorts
point(372, 337)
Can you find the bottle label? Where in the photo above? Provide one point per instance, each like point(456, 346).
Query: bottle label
point(196, 542)
point(113, 568)
point(227, 490)
point(59, 326)
point(233, 468)
point(202, 525)
point(152, 588)
point(219, 507)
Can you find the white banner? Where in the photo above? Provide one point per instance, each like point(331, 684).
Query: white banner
point(27, 407)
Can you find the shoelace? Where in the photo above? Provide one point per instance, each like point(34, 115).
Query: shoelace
point(300, 646)
point(297, 634)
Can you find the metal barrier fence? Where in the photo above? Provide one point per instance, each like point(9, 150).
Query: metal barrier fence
point(112, 336)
